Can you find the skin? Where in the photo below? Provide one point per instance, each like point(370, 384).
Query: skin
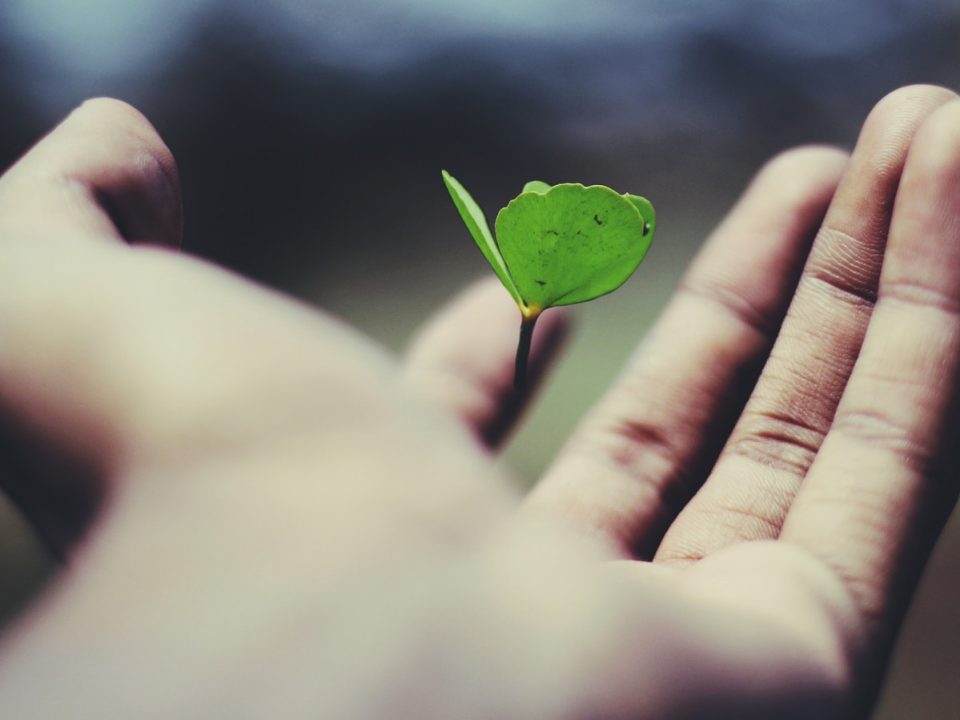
point(313, 529)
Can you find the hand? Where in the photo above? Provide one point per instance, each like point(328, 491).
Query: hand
point(264, 517)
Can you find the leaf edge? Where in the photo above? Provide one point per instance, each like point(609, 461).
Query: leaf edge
point(481, 233)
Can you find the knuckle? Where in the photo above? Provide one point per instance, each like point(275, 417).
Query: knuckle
point(733, 303)
point(777, 440)
point(921, 296)
point(853, 283)
point(634, 446)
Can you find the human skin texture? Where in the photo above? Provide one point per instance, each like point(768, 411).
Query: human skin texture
point(263, 514)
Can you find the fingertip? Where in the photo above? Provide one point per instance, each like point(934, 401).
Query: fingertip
point(487, 296)
point(892, 124)
point(801, 177)
point(463, 359)
point(935, 152)
point(803, 159)
point(923, 249)
point(115, 113)
point(139, 178)
point(104, 170)
point(907, 99)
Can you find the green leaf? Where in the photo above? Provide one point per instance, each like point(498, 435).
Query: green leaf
point(559, 245)
point(572, 243)
point(645, 207)
point(537, 186)
point(476, 223)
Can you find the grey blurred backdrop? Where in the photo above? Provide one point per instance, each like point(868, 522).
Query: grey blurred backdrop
point(311, 134)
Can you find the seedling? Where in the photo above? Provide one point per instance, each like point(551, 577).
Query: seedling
point(558, 245)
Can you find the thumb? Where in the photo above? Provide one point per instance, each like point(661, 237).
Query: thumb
point(103, 172)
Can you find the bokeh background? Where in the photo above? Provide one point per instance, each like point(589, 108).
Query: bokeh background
point(310, 136)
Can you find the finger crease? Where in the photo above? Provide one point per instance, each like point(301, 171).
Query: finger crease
point(738, 519)
point(851, 270)
point(646, 455)
point(921, 296)
point(735, 305)
point(779, 441)
point(877, 429)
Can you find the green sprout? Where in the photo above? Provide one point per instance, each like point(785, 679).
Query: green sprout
point(558, 245)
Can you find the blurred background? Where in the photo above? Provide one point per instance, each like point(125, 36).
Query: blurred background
point(310, 136)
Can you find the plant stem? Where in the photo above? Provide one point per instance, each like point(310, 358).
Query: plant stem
point(523, 351)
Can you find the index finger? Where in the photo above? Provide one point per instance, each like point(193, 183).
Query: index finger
point(462, 360)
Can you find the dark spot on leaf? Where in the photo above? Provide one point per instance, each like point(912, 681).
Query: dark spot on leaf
point(552, 232)
point(646, 229)
point(597, 220)
point(541, 283)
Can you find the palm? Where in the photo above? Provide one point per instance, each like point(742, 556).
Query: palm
point(734, 531)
